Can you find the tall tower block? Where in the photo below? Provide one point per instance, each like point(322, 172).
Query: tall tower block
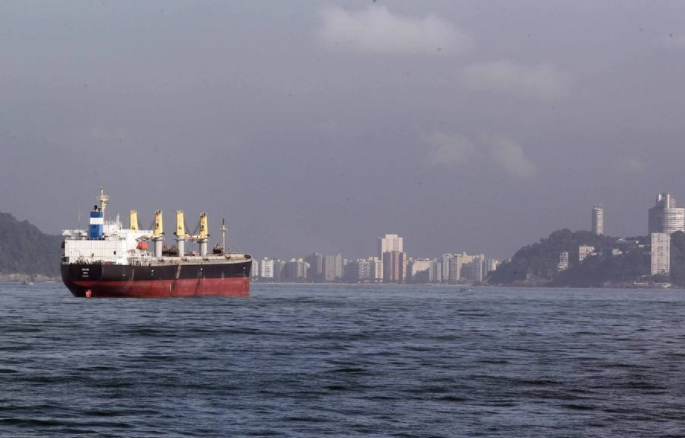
point(598, 219)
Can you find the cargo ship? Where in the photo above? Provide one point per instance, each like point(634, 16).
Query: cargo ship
point(110, 261)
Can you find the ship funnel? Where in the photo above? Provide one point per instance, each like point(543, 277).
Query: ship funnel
point(180, 233)
point(97, 222)
point(133, 220)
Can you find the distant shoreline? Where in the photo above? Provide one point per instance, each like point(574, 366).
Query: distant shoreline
point(20, 278)
point(457, 286)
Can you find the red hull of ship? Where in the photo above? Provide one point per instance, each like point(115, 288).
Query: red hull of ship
point(228, 287)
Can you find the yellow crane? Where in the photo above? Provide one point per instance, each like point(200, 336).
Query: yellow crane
point(180, 233)
point(158, 234)
point(133, 220)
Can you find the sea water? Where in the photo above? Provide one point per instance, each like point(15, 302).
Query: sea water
point(318, 361)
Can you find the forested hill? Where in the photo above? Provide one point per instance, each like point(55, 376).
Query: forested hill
point(24, 249)
point(538, 264)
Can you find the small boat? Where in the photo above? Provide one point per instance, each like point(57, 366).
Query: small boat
point(27, 283)
point(466, 289)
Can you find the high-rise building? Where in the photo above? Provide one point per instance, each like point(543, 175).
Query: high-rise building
point(333, 268)
point(295, 270)
point(435, 273)
point(664, 217)
point(358, 271)
point(376, 269)
point(254, 273)
point(489, 266)
point(394, 267)
point(391, 242)
point(598, 219)
point(266, 269)
point(279, 267)
point(418, 270)
point(473, 270)
point(445, 265)
point(456, 264)
point(661, 253)
point(584, 251)
point(315, 272)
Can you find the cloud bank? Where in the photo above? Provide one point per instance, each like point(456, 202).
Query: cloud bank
point(510, 156)
point(631, 164)
point(448, 149)
point(542, 81)
point(377, 30)
point(452, 150)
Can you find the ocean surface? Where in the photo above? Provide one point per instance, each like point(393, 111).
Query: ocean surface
point(344, 361)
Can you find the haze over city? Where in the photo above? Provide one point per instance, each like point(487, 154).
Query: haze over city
point(319, 126)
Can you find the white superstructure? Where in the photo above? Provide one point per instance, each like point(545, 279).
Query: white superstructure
point(118, 245)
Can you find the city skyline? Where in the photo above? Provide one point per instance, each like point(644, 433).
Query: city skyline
point(391, 265)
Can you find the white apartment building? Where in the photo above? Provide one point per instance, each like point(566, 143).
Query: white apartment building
point(390, 243)
point(661, 253)
point(563, 261)
point(375, 269)
point(418, 270)
point(435, 275)
point(584, 251)
point(490, 265)
point(445, 266)
point(266, 268)
point(255, 269)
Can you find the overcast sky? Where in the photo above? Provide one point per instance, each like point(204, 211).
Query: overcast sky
point(318, 126)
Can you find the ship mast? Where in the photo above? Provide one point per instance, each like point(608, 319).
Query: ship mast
point(103, 200)
point(223, 234)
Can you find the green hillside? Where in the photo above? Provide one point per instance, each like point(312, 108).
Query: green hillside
point(537, 264)
point(24, 249)
point(617, 262)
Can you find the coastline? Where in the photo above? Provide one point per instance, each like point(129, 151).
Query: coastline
point(20, 278)
point(536, 285)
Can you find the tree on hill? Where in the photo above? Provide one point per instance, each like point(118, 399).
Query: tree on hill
point(24, 249)
point(598, 271)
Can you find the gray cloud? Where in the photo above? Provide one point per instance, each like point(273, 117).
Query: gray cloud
point(108, 135)
point(542, 81)
point(448, 149)
point(453, 149)
point(674, 41)
point(509, 154)
point(631, 164)
point(377, 30)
